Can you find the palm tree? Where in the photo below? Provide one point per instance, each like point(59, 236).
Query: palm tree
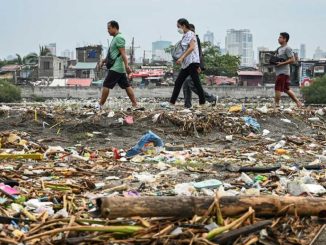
point(44, 51)
point(31, 59)
point(19, 59)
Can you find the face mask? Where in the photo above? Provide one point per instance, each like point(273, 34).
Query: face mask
point(180, 30)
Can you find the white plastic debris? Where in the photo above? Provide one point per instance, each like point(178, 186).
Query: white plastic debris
point(286, 120)
point(266, 132)
point(320, 112)
point(314, 119)
point(184, 189)
point(111, 114)
point(263, 109)
point(229, 137)
point(145, 177)
point(245, 178)
point(156, 117)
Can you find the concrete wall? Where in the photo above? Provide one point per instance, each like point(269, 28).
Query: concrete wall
point(161, 92)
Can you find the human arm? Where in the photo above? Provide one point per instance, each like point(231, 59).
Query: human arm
point(289, 61)
point(125, 59)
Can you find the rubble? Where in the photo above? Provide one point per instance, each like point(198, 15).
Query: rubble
point(59, 159)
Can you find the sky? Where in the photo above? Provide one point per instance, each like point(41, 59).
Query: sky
point(27, 24)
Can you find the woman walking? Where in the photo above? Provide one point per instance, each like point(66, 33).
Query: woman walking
point(190, 62)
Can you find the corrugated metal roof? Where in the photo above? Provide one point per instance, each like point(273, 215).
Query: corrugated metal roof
point(79, 82)
point(250, 73)
point(8, 68)
point(85, 65)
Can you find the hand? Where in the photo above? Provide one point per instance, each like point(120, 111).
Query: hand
point(128, 69)
point(279, 63)
point(102, 62)
point(179, 61)
point(199, 70)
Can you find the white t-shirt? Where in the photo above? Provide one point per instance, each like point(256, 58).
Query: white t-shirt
point(193, 57)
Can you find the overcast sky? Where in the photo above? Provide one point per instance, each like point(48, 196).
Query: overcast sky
point(26, 24)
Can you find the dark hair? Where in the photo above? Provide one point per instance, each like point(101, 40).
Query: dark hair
point(184, 22)
point(192, 27)
point(285, 35)
point(114, 24)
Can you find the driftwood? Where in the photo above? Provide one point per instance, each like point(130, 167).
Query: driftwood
point(186, 207)
point(231, 236)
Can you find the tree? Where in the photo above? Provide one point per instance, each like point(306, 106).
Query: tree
point(315, 93)
point(19, 60)
point(31, 59)
point(44, 51)
point(218, 64)
point(215, 62)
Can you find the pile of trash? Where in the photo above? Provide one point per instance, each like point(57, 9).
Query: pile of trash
point(251, 184)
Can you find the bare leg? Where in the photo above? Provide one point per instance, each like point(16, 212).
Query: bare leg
point(294, 98)
point(131, 95)
point(277, 98)
point(105, 95)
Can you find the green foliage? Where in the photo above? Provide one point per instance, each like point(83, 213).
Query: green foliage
point(9, 92)
point(316, 92)
point(30, 59)
point(36, 98)
point(215, 63)
point(44, 51)
point(218, 64)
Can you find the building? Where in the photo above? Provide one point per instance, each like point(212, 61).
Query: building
point(52, 47)
point(319, 54)
point(302, 51)
point(51, 67)
point(259, 49)
point(10, 72)
point(88, 58)
point(266, 68)
point(91, 53)
point(240, 43)
point(68, 54)
point(250, 78)
point(209, 37)
point(158, 51)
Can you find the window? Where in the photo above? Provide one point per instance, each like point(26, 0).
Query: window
point(59, 66)
point(46, 65)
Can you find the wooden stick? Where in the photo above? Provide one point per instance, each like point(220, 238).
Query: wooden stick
point(119, 229)
point(231, 236)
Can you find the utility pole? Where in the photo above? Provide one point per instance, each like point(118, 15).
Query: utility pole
point(132, 51)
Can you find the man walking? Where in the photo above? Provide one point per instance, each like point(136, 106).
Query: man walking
point(282, 70)
point(189, 86)
point(117, 63)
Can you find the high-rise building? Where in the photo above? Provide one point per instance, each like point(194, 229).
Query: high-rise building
point(52, 47)
point(68, 54)
point(240, 43)
point(158, 51)
point(319, 54)
point(302, 51)
point(209, 37)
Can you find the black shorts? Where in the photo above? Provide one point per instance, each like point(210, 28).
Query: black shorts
point(114, 78)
